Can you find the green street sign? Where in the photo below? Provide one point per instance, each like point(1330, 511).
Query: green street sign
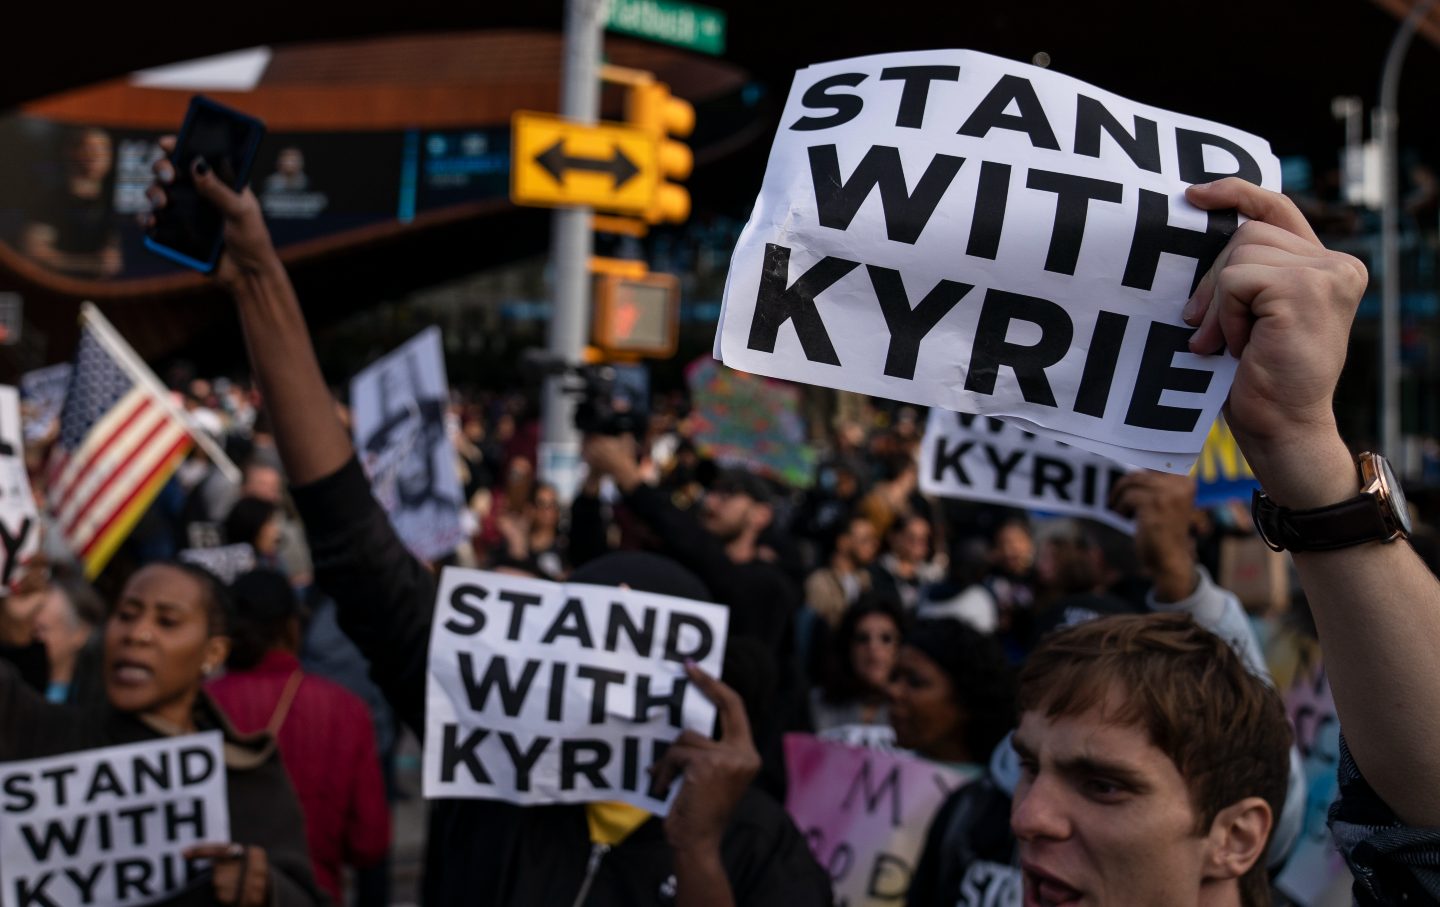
point(686, 25)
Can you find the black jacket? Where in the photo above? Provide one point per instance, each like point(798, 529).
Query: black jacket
point(263, 808)
point(488, 852)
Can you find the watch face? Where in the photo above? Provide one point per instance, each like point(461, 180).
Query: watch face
point(1399, 508)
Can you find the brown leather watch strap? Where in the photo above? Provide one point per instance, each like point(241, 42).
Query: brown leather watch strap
point(1356, 521)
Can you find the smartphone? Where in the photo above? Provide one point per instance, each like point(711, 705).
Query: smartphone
point(189, 230)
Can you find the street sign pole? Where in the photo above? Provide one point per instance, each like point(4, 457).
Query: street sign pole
point(570, 250)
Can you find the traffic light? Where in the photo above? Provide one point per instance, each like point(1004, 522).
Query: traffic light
point(649, 106)
point(636, 314)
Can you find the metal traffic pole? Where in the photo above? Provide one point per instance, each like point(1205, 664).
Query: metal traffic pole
point(570, 249)
point(1385, 124)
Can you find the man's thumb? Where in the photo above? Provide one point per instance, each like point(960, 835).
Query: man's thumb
point(213, 190)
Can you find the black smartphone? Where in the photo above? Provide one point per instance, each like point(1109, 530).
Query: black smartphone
point(189, 229)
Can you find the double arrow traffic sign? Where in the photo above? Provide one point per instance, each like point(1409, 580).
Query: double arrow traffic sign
point(556, 162)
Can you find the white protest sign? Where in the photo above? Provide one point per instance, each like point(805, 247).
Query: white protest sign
point(979, 458)
point(225, 561)
point(398, 419)
point(42, 396)
point(958, 230)
point(544, 692)
point(865, 813)
point(19, 518)
point(107, 827)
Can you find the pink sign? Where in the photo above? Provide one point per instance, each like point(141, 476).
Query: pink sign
point(865, 813)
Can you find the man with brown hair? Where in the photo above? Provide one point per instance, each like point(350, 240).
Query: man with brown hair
point(1153, 766)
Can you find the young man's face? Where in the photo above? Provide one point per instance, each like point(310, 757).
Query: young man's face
point(1102, 816)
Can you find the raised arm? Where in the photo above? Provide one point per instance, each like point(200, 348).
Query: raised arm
point(1283, 304)
point(383, 594)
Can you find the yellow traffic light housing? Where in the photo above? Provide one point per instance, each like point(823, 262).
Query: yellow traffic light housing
point(650, 107)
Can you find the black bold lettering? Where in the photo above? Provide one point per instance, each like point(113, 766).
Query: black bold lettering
point(630, 764)
point(60, 833)
point(909, 326)
point(597, 753)
point(642, 638)
point(145, 774)
point(461, 600)
point(1190, 149)
point(175, 820)
point(1158, 373)
point(991, 196)
point(523, 760)
point(133, 877)
point(917, 81)
point(601, 680)
point(196, 766)
point(992, 350)
point(1099, 373)
point(85, 882)
point(1073, 195)
point(778, 302)
point(1142, 147)
point(906, 212)
point(518, 603)
point(1051, 473)
point(556, 705)
point(571, 622)
point(1004, 467)
point(454, 752)
point(950, 458)
point(18, 787)
point(673, 701)
point(12, 543)
point(990, 114)
point(818, 97)
point(135, 815)
point(1154, 235)
point(56, 777)
point(32, 891)
point(497, 674)
point(104, 781)
point(672, 637)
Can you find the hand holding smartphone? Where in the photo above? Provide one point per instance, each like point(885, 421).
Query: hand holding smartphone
point(189, 229)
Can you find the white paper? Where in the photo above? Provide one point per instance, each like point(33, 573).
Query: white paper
point(228, 562)
point(791, 235)
point(979, 458)
point(19, 518)
point(560, 638)
point(398, 418)
point(108, 826)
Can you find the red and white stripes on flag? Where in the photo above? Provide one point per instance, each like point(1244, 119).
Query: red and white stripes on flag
point(120, 441)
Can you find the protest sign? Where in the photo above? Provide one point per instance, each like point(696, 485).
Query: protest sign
point(19, 518)
point(981, 458)
point(225, 561)
point(108, 826)
point(1314, 867)
point(543, 692)
point(864, 813)
point(745, 420)
point(963, 231)
point(398, 419)
point(42, 396)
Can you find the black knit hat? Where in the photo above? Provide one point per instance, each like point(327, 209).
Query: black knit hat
point(643, 571)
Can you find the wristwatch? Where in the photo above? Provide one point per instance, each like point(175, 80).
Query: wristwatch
point(1377, 514)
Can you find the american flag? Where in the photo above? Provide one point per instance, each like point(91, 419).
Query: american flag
point(119, 444)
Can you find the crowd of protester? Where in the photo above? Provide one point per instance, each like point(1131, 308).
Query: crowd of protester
point(931, 625)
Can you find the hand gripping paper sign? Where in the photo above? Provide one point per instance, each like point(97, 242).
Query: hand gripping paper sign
point(957, 230)
point(542, 692)
point(108, 827)
point(981, 458)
